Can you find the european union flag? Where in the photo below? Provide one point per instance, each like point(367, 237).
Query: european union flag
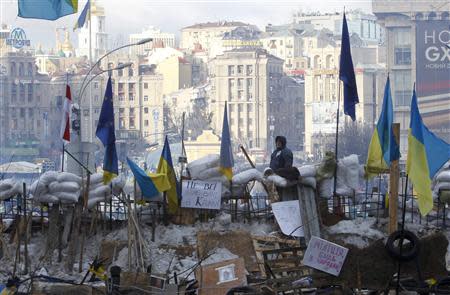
point(347, 73)
point(106, 133)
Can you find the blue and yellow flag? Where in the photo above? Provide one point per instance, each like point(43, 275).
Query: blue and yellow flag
point(165, 166)
point(347, 73)
point(426, 155)
point(47, 9)
point(106, 133)
point(383, 148)
point(226, 154)
point(83, 16)
point(151, 184)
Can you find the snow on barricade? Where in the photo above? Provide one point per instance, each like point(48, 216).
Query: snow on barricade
point(247, 175)
point(10, 188)
point(200, 165)
point(308, 171)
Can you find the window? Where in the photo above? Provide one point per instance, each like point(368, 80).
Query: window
point(230, 70)
point(22, 92)
point(250, 108)
point(120, 72)
point(402, 88)
point(132, 126)
point(30, 112)
point(13, 93)
point(146, 123)
point(240, 107)
point(30, 92)
point(240, 69)
point(96, 97)
point(145, 85)
point(249, 83)
point(145, 97)
point(240, 83)
point(38, 98)
point(96, 85)
point(131, 111)
point(30, 69)
point(249, 69)
point(402, 46)
point(121, 123)
point(145, 110)
point(22, 113)
point(250, 121)
point(130, 72)
point(131, 96)
point(240, 94)
point(121, 111)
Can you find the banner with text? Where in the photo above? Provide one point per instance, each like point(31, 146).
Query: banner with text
point(325, 256)
point(201, 194)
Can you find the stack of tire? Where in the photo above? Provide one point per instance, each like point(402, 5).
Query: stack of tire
point(9, 188)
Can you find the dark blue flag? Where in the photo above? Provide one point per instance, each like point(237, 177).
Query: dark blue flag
point(105, 132)
point(347, 74)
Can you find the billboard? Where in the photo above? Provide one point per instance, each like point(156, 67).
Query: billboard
point(433, 58)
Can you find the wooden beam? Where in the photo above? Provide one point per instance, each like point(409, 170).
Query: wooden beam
point(393, 185)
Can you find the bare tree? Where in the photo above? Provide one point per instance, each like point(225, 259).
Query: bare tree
point(354, 138)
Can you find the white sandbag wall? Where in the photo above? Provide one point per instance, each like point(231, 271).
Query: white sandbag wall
point(441, 182)
point(9, 188)
point(55, 187)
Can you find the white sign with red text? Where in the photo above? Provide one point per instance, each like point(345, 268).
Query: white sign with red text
point(325, 256)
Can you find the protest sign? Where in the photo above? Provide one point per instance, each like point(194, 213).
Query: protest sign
point(325, 256)
point(201, 194)
point(288, 217)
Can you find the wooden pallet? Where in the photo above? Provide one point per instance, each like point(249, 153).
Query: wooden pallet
point(264, 243)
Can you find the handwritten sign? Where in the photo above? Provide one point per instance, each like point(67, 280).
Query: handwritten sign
point(201, 194)
point(325, 256)
point(288, 217)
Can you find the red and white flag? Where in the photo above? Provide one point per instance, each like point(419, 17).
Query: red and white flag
point(65, 123)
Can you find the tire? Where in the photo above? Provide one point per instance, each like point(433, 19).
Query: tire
point(409, 252)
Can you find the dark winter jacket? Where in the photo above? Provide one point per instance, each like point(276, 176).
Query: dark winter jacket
point(281, 157)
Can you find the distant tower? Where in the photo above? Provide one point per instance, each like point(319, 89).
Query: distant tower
point(99, 38)
point(67, 47)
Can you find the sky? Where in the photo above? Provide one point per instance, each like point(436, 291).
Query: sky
point(124, 17)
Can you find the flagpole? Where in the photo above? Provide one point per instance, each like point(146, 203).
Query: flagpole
point(63, 147)
point(337, 138)
point(90, 63)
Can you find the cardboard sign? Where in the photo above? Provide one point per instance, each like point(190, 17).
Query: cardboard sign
point(201, 194)
point(325, 256)
point(288, 217)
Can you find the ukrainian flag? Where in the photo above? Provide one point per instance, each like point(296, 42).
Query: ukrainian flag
point(226, 155)
point(151, 184)
point(426, 155)
point(165, 166)
point(106, 133)
point(383, 148)
point(47, 9)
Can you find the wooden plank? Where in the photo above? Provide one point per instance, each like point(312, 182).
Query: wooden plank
point(393, 185)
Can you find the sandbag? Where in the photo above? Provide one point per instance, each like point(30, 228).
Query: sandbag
point(223, 179)
point(278, 180)
point(93, 202)
point(69, 187)
point(13, 191)
point(246, 176)
point(68, 177)
point(309, 181)
point(38, 188)
point(326, 188)
point(209, 173)
point(48, 177)
point(441, 186)
point(307, 171)
point(100, 192)
point(66, 197)
point(96, 178)
point(6, 184)
point(46, 198)
point(199, 165)
point(118, 184)
point(443, 176)
point(351, 176)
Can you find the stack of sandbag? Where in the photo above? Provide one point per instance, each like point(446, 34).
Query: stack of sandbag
point(348, 176)
point(98, 192)
point(9, 188)
point(248, 175)
point(55, 187)
point(442, 186)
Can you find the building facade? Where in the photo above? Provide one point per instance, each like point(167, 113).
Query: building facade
point(250, 81)
point(416, 40)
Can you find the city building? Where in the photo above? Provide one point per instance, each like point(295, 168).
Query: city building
point(322, 88)
point(98, 38)
point(160, 39)
point(246, 36)
point(363, 24)
point(417, 52)
point(250, 81)
point(207, 35)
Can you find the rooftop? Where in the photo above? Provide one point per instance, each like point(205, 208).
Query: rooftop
point(216, 25)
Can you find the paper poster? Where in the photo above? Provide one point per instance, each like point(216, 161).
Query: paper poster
point(325, 256)
point(288, 217)
point(201, 194)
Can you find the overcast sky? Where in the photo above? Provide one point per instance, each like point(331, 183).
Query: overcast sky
point(131, 16)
